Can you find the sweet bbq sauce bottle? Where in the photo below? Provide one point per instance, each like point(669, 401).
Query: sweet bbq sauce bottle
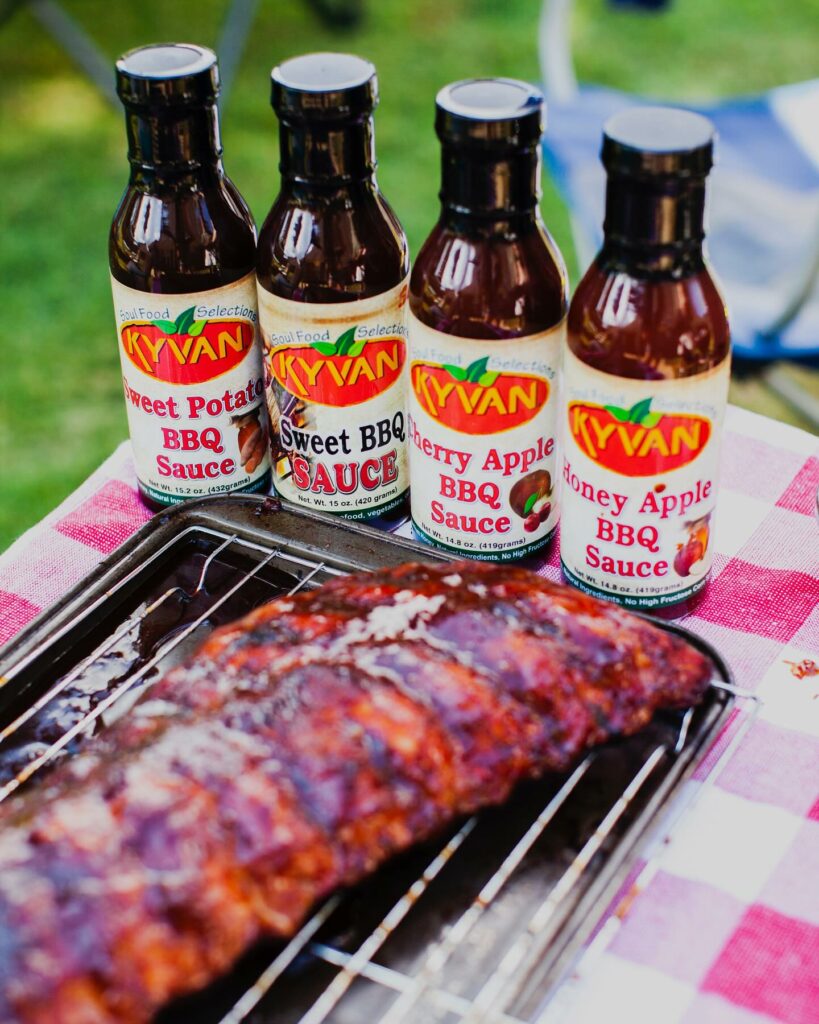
point(332, 273)
point(646, 375)
point(487, 319)
point(182, 252)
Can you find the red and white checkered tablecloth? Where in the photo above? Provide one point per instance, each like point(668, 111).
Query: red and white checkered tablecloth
point(720, 924)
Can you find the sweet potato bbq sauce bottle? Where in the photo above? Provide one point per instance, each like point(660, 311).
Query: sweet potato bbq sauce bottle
point(646, 375)
point(332, 273)
point(182, 253)
point(488, 308)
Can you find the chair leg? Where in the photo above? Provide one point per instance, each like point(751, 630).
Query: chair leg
point(79, 46)
point(777, 379)
point(555, 50)
point(232, 40)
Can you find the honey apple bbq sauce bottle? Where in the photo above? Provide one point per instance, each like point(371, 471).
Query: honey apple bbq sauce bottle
point(646, 375)
point(182, 253)
point(332, 273)
point(487, 320)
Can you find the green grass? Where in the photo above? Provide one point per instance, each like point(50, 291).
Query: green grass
point(62, 166)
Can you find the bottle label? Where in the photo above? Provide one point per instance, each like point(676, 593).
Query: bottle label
point(483, 459)
point(639, 479)
point(194, 390)
point(336, 395)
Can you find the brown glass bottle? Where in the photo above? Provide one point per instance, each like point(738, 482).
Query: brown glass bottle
point(488, 305)
point(647, 372)
point(182, 251)
point(332, 268)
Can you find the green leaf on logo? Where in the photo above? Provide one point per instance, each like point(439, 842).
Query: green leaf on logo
point(197, 327)
point(345, 341)
point(325, 347)
point(168, 326)
point(651, 419)
point(530, 503)
point(357, 347)
point(488, 379)
point(618, 413)
point(184, 320)
point(455, 371)
point(639, 411)
point(476, 370)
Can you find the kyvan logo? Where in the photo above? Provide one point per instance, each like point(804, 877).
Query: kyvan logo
point(637, 441)
point(345, 372)
point(476, 400)
point(187, 351)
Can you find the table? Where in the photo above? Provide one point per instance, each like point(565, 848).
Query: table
point(719, 924)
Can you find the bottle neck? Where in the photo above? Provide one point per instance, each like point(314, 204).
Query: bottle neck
point(655, 225)
point(484, 185)
point(327, 155)
point(174, 145)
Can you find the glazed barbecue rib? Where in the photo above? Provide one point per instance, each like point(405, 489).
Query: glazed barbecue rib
point(298, 749)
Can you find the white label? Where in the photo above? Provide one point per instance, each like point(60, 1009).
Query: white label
point(194, 390)
point(336, 395)
point(639, 480)
point(483, 459)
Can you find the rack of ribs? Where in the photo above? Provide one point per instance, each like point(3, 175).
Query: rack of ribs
point(293, 753)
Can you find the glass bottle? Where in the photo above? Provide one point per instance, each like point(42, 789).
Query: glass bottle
point(332, 274)
point(646, 375)
point(487, 317)
point(182, 253)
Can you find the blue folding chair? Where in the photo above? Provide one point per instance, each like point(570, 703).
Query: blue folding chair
point(763, 212)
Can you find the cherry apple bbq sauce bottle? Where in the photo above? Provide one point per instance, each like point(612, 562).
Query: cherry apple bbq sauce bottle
point(182, 252)
point(332, 273)
point(487, 320)
point(646, 375)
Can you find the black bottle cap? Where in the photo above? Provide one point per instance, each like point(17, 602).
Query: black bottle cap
point(167, 75)
point(324, 87)
point(658, 141)
point(490, 112)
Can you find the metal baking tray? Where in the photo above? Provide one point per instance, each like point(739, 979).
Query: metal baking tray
point(479, 925)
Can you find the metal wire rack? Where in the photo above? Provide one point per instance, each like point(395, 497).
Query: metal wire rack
point(478, 928)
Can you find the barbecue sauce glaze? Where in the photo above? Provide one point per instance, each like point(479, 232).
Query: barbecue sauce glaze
point(182, 252)
point(488, 306)
point(332, 268)
point(646, 375)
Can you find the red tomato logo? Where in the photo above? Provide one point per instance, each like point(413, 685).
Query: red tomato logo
point(637, 441)
point(187, 351)
point(345, 372)
point(476, 400)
